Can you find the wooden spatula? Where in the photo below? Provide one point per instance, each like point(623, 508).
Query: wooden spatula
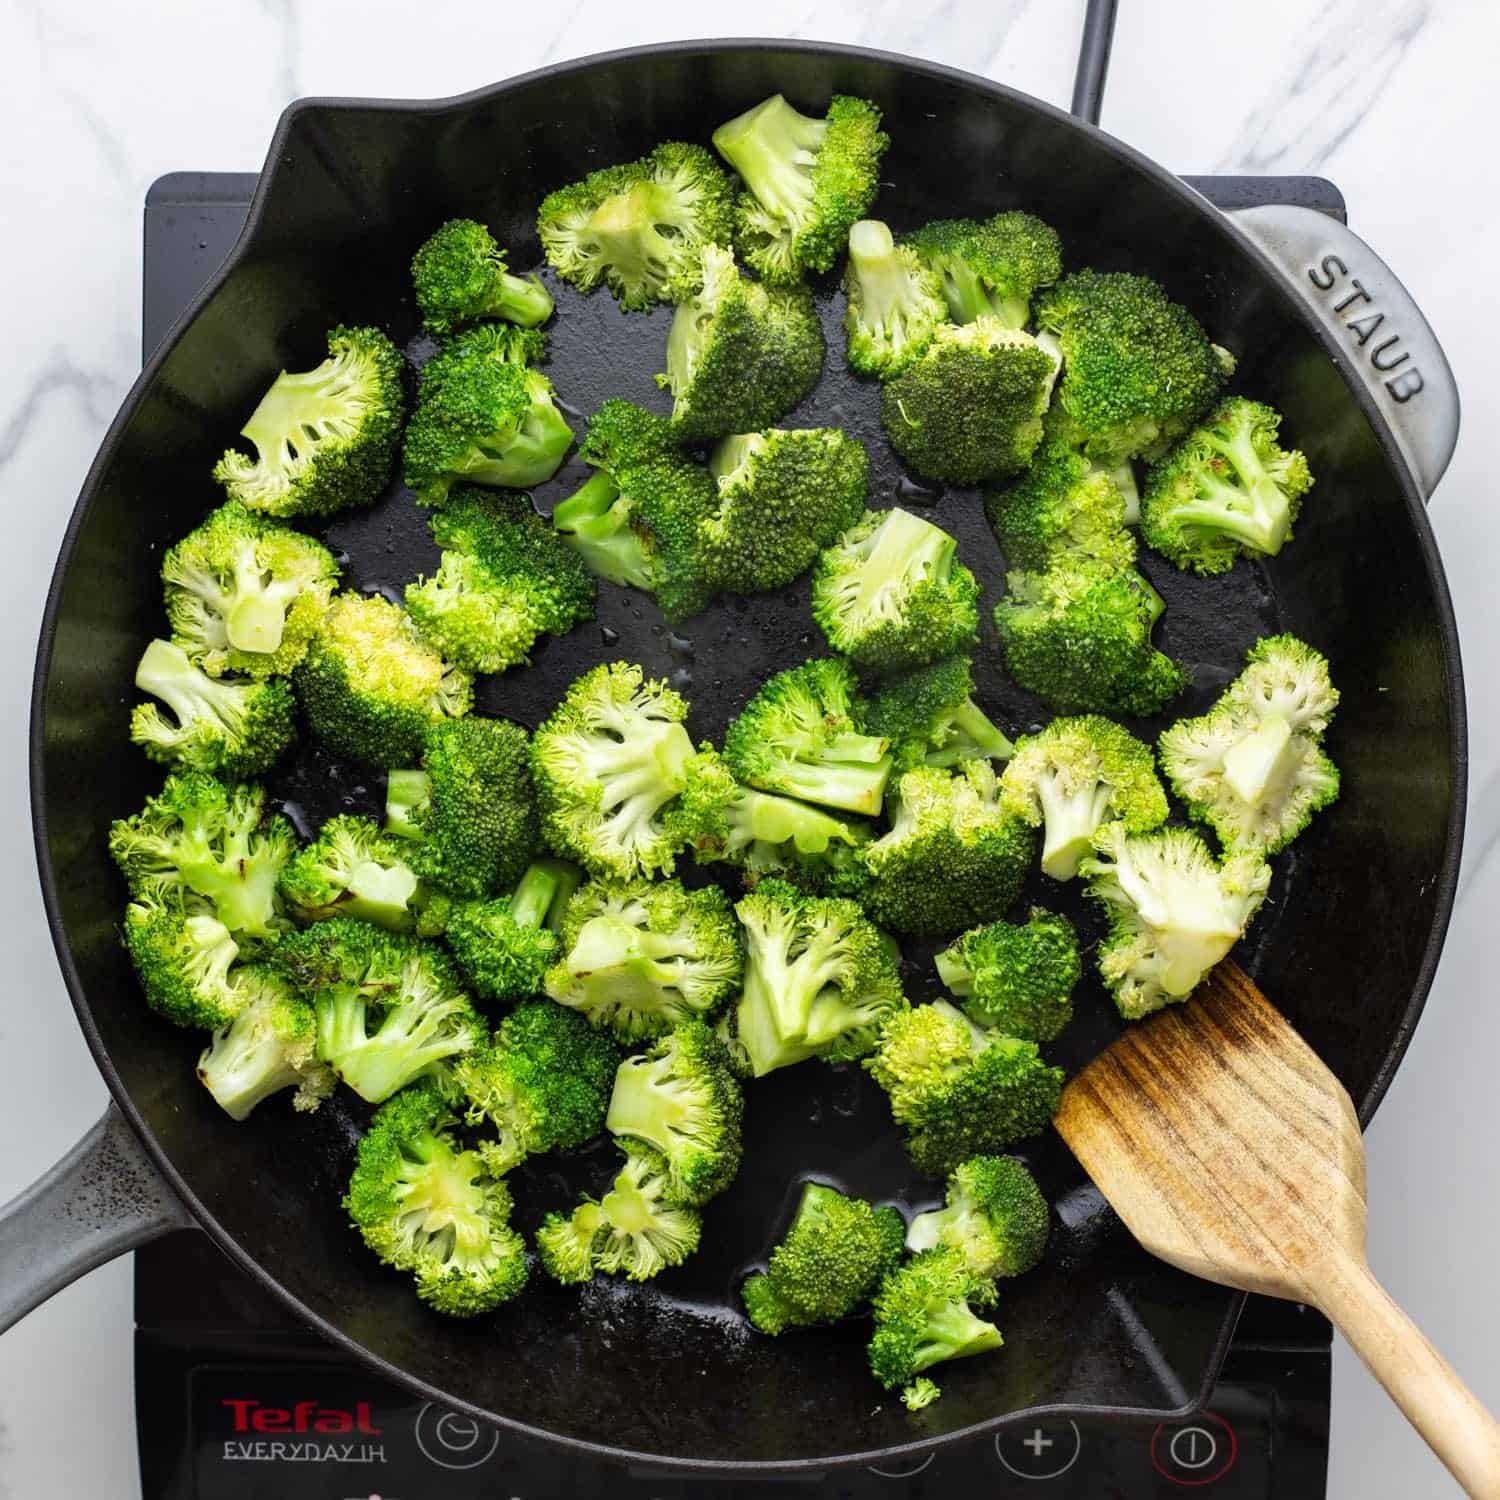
point(1231, 1151)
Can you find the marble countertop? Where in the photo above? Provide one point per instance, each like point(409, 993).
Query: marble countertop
point(1390, 98)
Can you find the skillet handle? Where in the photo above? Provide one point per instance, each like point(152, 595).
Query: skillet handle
point(103, 1198)
point(1390, 347)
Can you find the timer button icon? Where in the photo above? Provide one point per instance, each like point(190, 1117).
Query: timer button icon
point(453, 1441)
point(1195, 1453)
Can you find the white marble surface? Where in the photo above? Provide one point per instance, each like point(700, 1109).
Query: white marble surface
point(1391, 98)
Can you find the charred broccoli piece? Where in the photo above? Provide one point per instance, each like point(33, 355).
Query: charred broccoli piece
point(1016, 979)
point(995, 1217)
point(895, 303)
point(505, 946)
point(990, 268)
point(930, 717)
point(459, 275)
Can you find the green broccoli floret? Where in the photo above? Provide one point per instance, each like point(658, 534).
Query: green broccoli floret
point(797, 736)
point(542, 1084)
point(739, 355)
point(1076, 774)
point(808, 180)
point(506, 946)
point(199, 835)
point(930, 716)
point(324, 439)
point(390, 1007)
point(782, 497)
point(425, 1206)
point(891, 594)
point(641, 957)
point(1079, 637)
point(820, 980)
point(924, 1316)
point(505, 578)
point(244, 594)
point(608, 764)
point(459, 275)
point(352, 869)
point(995, 1218)
point(638, 228)
point(1253, 767)
point(953, 857)
point(1138, 370)
point(961, 1089)
point(681, 1097)
point(828, 1264)
point(991, 269)
point(1227, 488)
point(184, 956)
point(230, 729)
point(636, 1230)
point(471, 811)
point(1061, 510)
point(483, 418)
point(636, 520)
point(267, 1047)
point(371, 687)
point(1017, 979)
point(1174, 911)
point(970, 407)
point(895, 302)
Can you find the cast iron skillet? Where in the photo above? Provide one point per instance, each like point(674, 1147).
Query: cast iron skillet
point(1347, 944)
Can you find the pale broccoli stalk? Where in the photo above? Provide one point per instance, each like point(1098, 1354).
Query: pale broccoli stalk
point(895, 302)
point(459, 274)
point(995, 1217)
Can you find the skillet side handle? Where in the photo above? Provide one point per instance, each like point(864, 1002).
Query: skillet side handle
point(1390, 347)
point(103, 1198)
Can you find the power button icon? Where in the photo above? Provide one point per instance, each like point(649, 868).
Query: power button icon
point(1195, 1453)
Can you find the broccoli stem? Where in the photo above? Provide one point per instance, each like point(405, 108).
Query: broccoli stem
point(974, 737)
point(773, 147)
point(644, 1107)
point(955, 972)
point(1070, 820)
point(408, 795)
point(954, 1332)
point(384, 893)
point(885, 290)
point(733, 452)
point(856, 788)
point(535, 896)
point(926, 1230)
point(763, 818)
point(904, 545)
point(595, 522)
point(245, 1065)
point(166, 672)
point(521, 299)
point(1124, 478)
point(1261, 762)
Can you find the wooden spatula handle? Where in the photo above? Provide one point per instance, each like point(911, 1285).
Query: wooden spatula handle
point(1421, 1382)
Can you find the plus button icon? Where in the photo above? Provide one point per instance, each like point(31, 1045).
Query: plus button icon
point(1036, 1442)
point(1044, 1451)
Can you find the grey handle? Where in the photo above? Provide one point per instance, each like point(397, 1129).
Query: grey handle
point(103, 1198)
point(1389, 347)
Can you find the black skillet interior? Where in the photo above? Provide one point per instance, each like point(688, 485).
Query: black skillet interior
point(670, 1371)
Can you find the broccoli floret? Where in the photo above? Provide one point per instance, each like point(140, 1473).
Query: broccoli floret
point(991, 269)
point(640, 957)
point(459, 275)
point(953, 857)
point(782, 496)
point(481, 417)
point(995, 1218)
point(681, 1097)
point(820, 979)
point(1138, 370)
point(930, 717)
point(267, 1047)
point(1062, 509)
point(1079, 637)
point(970, 407)
point(891, 594)
point(636, 520)
point(184, 956)
point(1076, 774)
point(1253, 767)
point(923, 1316)
point(961, 1089)
point(895, 302)
point(425, 1206)
point(1174, 911)
point(1228, 488)
point(199, 835)
point(352, 869)
point(244, 594)
point(390, 1008)
point(371, 687)
point(471, 811)
point(505, 578)
point(808, 180)
point(608, 764)
point(638, 228)
point(636, 1230)
point(324, 439)
point(231, 729)
point(541, 1085)
point(1017, 979)
point(739, 355)
point(797, 736)
point(828, 1264)
point(506, 946)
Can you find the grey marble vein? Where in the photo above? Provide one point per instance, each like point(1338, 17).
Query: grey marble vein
point(97, 393)
point(960, 32)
